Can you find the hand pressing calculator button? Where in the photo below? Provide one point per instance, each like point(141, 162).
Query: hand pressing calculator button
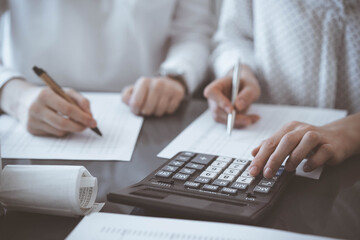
point(206, 186)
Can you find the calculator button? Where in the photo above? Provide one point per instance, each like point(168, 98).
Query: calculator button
point(237, 166)
point(261, 189)
point(221, 183)
point(213, 169)
point(182, 158)
point(187, 171)
point(219, 164)
point(246, 174)
point(163, 174)
point(240, 186)
point(188, 154)
point(191, 184)
point(176, 163)
point(210, 175)
point(180, 176)
point(210, 187)
point(245, 180)
point(240, 161)
point(226, 177)
point(169, 168)
point(195, 166)
point(202, 159)
point(227, 190)
point(230, 171)
point(224, 159)
point(202, 180)
point(279, 171)
point(274, 178)
point(266, 183)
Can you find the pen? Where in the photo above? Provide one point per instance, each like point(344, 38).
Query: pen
point(58, 90)
point(235, 90)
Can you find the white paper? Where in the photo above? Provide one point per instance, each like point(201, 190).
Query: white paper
point(204, 135)
point(120, 129)
point(49, 189)
point(107, 226)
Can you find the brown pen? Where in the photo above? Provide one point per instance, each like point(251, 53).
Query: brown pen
point(58, 90)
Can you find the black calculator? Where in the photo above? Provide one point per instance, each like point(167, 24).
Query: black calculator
point(202, 186)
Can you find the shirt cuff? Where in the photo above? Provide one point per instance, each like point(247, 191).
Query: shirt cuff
point(6, 74)
point(224, 62)
point(190, 78)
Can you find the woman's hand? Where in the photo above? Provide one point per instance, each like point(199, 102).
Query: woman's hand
point(43, 111)
point(218, 94)
point(328, 144)
point(154, 96)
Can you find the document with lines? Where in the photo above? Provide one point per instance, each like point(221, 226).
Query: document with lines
point(119, 126)
point(108, 226)
point(204, 135)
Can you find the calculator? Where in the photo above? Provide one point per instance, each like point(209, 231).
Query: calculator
point(203, 186)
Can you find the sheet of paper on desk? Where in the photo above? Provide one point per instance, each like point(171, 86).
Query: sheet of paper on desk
point(119, 126)
point(107, 226)
point(204, 135)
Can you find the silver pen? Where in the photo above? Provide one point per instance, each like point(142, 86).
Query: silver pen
point(234, 92)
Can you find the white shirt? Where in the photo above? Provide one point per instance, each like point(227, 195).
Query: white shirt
point(303, 52)
point(105, 45)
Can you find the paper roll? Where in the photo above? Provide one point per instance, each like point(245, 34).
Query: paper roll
point(49, 189)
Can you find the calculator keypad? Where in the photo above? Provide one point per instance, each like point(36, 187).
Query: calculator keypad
point(216, 174)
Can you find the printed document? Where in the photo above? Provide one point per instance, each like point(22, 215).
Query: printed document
point(108, 226)
point(204, 135)
point(120, 129)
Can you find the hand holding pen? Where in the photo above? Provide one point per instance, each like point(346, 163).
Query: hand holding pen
point(45, 112)
point(70, 107)
point(219, 94)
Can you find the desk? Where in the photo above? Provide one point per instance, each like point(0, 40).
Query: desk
point(328, 207)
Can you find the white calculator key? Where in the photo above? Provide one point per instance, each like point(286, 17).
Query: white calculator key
point(224, 159)
point(246, 174)
point(213, 169)
point(219, 164)
point(231, 171)
point(210, 175)
point(240, 161)
point(226, 177)
point(236, 166)
point(245, 180)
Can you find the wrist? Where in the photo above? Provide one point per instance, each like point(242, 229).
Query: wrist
point(176, 75)
point(347, 131)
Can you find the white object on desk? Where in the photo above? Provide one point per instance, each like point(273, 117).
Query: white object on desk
point(119, 126)
point(107, 226)
point(204, 135)
point(49, 189)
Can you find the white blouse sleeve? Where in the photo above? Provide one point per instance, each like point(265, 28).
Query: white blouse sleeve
point(6, 73)
point(234, 37)
point(191, 30)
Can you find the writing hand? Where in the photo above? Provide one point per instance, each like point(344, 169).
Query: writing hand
point(218, 94)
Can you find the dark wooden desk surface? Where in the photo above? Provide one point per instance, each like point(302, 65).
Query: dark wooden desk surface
point(327, 207)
